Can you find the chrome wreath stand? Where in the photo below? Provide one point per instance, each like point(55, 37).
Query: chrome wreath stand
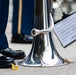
point(43, 52)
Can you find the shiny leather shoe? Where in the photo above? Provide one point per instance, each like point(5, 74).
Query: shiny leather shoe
point(24, 39)
point(16, 54)
point(6, 62)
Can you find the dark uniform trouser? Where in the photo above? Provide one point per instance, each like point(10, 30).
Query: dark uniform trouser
point(4, 4)
point(23, 16)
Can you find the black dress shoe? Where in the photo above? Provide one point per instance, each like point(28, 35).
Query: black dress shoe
point(16, 54)
point(24, 39)
point(6, 62)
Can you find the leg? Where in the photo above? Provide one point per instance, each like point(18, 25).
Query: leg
point(4, 48)
point(22, 22)
point(4, 61)
point(3, 22)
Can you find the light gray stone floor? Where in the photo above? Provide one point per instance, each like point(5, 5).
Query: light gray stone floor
point(69, 53)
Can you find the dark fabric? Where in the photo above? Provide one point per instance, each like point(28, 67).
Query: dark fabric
point(4, 4)
point(27, 16)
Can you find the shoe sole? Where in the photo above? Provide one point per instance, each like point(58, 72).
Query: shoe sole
point(17, 58)
point(27, 42)
point(6, 65)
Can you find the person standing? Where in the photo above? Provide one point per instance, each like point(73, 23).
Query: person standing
point(22, 21)
point(7, 55)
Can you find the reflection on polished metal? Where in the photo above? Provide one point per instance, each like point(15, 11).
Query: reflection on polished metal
point(36, 32)
point(56, 3)
point(43, 52)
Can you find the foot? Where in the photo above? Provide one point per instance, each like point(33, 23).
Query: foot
point(16, 54)
point(24, 39)
point(6, 62)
